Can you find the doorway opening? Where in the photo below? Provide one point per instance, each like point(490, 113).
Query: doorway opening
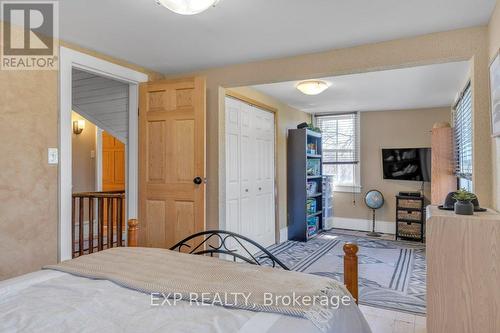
point(103, 96)
point(98, 162)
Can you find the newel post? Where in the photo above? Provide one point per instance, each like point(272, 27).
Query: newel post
point(133, 233)
point(351, 269)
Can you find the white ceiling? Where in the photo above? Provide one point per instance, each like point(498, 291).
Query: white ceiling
point(398, 89)
point(238, 31)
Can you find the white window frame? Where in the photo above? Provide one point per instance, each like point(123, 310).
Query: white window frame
point(357, 187)
point(468, 86)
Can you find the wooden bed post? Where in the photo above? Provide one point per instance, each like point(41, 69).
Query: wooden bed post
point(351, 269)
point(133, 233)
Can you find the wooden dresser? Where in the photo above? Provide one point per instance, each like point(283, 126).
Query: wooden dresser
point(463, 272)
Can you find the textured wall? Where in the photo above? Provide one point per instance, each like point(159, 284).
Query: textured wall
point(287, 117)
point(454, 45)
point(387, 129)
point(28, 185)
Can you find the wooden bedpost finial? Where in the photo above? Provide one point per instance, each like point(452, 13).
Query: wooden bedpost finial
point(350, 249)
point(133, 233)
point(351, 269)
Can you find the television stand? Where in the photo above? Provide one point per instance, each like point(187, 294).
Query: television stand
point(410, 217)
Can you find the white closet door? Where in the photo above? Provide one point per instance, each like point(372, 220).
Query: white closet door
point(250, 206)
point(247, 167)
point(264, 180)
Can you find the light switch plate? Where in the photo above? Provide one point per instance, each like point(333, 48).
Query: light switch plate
point(53, 156)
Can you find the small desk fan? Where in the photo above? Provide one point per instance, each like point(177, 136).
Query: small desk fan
point(374, 200)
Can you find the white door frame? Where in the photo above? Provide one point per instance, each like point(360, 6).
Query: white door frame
point(70, 59)
point(98, 159)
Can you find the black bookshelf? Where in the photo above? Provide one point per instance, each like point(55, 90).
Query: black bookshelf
point(305, 184)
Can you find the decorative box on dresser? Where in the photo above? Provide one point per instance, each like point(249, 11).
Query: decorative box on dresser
point(463, 272)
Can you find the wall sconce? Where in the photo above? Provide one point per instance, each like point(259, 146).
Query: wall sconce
point(78, 126)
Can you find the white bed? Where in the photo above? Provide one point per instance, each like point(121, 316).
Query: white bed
point(52, 301)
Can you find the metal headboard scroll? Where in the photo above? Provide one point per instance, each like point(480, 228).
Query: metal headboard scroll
point(219, 245)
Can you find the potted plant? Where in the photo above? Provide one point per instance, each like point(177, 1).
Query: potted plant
point(313, 128)
point(463, 204)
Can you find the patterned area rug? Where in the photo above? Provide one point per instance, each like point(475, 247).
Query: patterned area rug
point(391, 274)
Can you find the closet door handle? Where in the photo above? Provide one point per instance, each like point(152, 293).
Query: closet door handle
point(198, 180)
point(246, 190)
point(260, 188)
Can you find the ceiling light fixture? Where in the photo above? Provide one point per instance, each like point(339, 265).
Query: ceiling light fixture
point(187, 7)
point(312, 87)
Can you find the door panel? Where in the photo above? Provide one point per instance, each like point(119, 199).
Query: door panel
point(155, 154)
point(184, 150)
point(113, 163)
point(172, 154)
point(156, 233)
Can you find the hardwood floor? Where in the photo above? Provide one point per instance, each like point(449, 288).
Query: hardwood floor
point(387, 321)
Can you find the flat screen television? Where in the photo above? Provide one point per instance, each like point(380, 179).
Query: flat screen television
point(412, 164)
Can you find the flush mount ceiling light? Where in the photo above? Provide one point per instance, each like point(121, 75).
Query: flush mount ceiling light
point(312, 87)
point(187, 7)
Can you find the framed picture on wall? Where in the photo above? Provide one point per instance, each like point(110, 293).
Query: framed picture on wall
point(495, 95)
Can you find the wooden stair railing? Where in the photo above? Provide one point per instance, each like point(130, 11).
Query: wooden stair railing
point(107, 208)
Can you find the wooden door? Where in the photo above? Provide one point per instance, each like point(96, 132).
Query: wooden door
point(113, 174)
point(113, 163)
point(172, 161)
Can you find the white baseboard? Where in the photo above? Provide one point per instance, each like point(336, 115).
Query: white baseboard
point(283, 234)
point(363, 225)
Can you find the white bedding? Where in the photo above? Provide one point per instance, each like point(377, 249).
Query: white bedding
point(59, 302)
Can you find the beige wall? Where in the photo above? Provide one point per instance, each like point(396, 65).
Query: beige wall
point(84, 165)
point(494, 47)
point(28, 184)
point(387, 129)
point(465, 44)
point(494, 32)
point(287, 117)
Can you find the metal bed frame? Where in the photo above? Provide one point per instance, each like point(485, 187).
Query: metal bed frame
point(212, 242)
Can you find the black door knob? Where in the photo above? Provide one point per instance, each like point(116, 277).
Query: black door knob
point(198, 180)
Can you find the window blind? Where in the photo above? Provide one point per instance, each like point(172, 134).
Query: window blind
point(462, 123)
point(340, 138)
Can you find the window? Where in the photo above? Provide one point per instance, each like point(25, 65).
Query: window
point(462, 123)
point(340, 138)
